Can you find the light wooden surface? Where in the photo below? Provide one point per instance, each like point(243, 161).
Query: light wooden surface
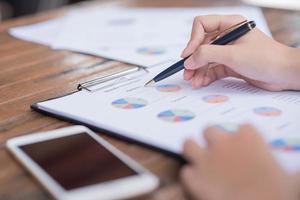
point(31, 72)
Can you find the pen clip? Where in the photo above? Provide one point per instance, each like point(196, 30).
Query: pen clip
point(229, 29)
point(88, 85)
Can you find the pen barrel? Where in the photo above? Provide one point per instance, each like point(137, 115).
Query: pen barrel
point(235, 34)
point(171, 70)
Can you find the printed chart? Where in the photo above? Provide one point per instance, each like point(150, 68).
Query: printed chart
point(151, 51)
point(267, 111)
point(227, 127)
point(168, 88)
point(129, 103)
point(215, 99)
point(176, 115)
point(287, 145)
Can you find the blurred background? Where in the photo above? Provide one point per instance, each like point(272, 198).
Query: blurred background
point(15, 8)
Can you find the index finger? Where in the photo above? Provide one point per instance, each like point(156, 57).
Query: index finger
point(207, 24)
point(213, 136)
point(192, 152)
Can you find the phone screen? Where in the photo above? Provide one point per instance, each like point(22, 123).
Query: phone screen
point(77, 160)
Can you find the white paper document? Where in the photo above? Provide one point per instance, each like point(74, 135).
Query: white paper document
point(166, 115)
point(42, 33)
point(141, 36)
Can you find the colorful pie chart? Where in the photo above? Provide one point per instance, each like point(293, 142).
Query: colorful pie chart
point(176, 115)
point(168, 88)
point(287, 145)
point(215, 99)
point(150, 51)
point(129, 103)
point(267, 111)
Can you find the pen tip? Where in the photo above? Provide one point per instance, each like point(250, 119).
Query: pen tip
point(150, 83)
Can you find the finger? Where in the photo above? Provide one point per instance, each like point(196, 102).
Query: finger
point(218, 72)
point(214, 73)
point(248, 135)
point(295, 182)
point(209, 37)
point(206, 54)
point(192, 152)
point(248, 132)
point(212, 23)
point(247, 128)
point(210, 75)
point(188, 74)
point(206, 24)
point(197, 36)
point(213, 135)
point(197, 80)
point(191, 181)
point(207, 80)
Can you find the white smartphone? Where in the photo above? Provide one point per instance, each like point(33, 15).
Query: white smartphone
point(75, 163)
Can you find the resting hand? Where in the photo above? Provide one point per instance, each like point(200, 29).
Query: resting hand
point(236, 166)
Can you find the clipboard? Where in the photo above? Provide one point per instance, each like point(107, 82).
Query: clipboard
point(90, 87)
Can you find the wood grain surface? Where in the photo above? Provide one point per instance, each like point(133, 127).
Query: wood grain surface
point(30, 73)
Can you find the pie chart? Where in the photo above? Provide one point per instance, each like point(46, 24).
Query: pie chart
point(287, 145)
point(267, 111)
point(215, 99)
point(176, 115)
point(227, 127)
point(129, 103)
point(168, 88)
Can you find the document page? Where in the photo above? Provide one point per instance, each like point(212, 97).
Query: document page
point(41, 33)
point(141, 36)
point(168, 113)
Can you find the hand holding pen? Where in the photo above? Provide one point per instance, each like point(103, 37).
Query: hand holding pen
point(221, 38)
point(254, 57)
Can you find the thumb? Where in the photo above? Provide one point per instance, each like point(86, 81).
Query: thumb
point(206, 54)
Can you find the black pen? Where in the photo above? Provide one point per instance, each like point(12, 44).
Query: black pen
point(242, 29)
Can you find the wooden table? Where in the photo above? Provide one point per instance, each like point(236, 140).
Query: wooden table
point(32, 72)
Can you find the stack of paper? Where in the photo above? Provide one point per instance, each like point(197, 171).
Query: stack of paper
point(145, 37)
